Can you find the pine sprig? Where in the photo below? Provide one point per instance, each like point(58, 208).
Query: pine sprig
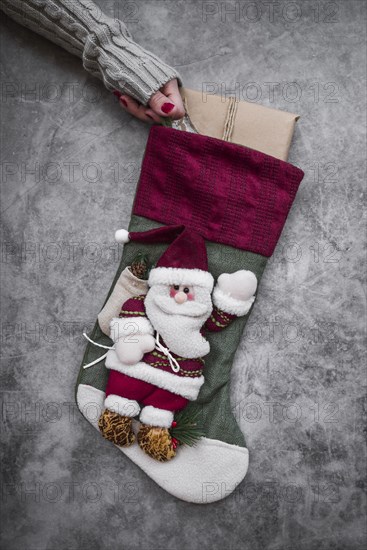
point(186, 427)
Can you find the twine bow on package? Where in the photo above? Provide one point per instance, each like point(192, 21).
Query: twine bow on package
point(207, 215)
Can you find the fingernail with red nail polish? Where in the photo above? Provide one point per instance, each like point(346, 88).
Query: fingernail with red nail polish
point(116, 93)
point(167, 107)
point(123, 101)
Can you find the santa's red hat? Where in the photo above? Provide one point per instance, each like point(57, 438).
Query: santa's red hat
point(185, 262)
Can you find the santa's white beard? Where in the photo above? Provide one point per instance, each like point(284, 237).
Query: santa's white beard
point(179, 324)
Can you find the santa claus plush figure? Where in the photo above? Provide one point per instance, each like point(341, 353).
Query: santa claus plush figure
point(156, 366)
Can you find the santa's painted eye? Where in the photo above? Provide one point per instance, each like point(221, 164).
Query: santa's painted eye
point(186, 290)
point(176, 287)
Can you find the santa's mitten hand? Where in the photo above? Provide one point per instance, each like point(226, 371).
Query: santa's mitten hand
point(235, 292)
point(241, 285)
point(131, 349)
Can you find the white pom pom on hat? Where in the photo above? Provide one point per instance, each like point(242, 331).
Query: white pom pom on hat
point(122, 236)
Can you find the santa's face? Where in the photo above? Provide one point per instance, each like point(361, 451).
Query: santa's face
point(178, 312)
point(181, 300)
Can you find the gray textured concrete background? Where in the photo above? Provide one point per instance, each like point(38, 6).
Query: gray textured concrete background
point(298, 377)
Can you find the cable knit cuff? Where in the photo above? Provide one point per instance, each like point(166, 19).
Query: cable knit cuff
point(127, 67)
point(104, 44)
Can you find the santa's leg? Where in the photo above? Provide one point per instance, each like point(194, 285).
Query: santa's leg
point(121, 406)
point(156, 417)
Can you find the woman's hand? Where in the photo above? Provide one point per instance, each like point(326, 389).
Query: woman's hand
point(166, 102)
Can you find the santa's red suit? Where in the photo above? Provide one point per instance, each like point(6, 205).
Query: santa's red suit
point(161, 381)
point(153, 381)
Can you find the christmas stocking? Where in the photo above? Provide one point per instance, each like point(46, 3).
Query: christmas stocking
point(207, 214)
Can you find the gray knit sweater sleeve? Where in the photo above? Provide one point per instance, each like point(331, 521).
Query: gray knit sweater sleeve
point(104, 44)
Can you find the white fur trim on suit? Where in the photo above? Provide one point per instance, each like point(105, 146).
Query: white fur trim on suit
point(186, 387)
point(231, 305)
point(205, 473)
point(121, 327)
point(122, 406)
point(180, 276)
point(122, 236)
point(156, 417)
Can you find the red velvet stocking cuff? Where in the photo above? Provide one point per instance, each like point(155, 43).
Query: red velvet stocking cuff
point(229, 193)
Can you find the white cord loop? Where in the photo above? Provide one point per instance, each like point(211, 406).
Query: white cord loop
point(99, 346)
point(172, 361)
